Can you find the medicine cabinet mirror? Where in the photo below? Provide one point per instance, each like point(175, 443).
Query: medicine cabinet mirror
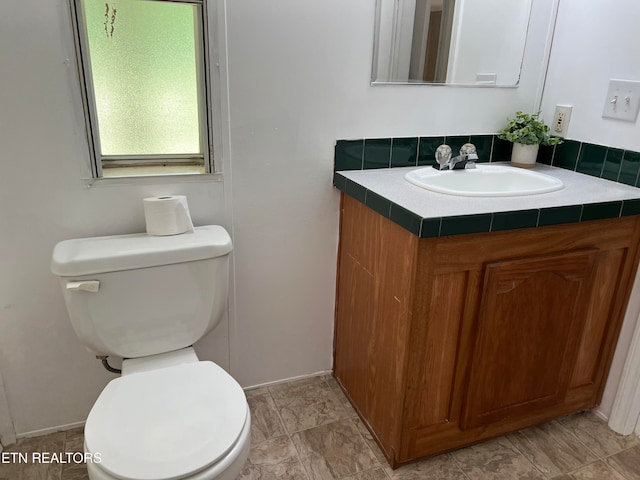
point(453, 42)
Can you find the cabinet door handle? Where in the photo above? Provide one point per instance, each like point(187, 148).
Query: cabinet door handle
point(85, 286)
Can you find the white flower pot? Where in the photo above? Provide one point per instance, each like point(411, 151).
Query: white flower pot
point(524, 156)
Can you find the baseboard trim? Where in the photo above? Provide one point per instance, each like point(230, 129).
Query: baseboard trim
point(599, 414)
point(286, 380)
point(47, 431)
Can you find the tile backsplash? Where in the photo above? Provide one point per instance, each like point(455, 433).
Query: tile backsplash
point(610, 163)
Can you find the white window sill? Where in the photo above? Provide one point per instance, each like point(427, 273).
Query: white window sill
point(147, 175)
point(148, 170)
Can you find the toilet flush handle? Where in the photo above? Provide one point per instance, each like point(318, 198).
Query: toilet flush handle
point(86, 286)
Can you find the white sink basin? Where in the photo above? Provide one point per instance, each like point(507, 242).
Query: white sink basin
point(484, 181)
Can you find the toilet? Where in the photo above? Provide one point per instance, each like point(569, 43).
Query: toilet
point(148, 299)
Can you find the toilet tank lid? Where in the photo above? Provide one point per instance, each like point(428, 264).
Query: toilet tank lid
point(86, 256)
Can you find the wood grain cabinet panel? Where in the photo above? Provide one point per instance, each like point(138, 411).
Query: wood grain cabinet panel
point(532, 314)
point(601, 311)
point(444, 342)
point(375, 265)
point(447, 302)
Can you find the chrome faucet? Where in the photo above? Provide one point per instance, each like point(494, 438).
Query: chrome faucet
point(466, 159)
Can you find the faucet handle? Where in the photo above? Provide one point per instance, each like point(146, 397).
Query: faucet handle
point(468, 149)
point(443, 155)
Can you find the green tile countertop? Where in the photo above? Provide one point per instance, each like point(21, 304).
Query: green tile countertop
point(430, 214)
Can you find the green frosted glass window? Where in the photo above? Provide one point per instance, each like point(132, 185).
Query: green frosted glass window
point(143, 65)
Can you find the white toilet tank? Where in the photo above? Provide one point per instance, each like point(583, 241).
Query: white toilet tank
point(138, 295)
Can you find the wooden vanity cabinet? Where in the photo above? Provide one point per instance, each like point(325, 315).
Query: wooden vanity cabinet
point(444, 342)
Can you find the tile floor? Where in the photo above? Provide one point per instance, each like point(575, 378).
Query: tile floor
point(306, 430)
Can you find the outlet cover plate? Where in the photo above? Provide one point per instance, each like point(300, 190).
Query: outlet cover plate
point(623, 100)
point(561, 119)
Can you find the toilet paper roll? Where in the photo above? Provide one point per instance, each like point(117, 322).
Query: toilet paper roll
point(167, 215)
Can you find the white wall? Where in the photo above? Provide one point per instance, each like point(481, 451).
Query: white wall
point(299, 77)
point(594, 42)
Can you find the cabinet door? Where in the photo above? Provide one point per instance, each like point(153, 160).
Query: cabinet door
point(531, 315)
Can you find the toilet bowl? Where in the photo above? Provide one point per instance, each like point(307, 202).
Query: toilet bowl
point(169, 416)
point(147, 299)
point(227, 469)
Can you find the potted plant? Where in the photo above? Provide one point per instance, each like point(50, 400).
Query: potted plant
point(526, 132)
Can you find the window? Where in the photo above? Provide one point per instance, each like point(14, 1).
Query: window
point(144, 76)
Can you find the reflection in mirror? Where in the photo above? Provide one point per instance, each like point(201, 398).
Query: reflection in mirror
point(462, 42)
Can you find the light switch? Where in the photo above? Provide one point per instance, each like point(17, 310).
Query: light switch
point(623, 100)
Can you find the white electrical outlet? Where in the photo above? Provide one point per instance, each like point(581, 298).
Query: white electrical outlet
point(561, 119)
point(623, 100)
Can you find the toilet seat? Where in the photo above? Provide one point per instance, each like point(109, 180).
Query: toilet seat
point(167, 423)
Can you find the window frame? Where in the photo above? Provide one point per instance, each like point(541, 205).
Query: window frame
point(209, 111)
